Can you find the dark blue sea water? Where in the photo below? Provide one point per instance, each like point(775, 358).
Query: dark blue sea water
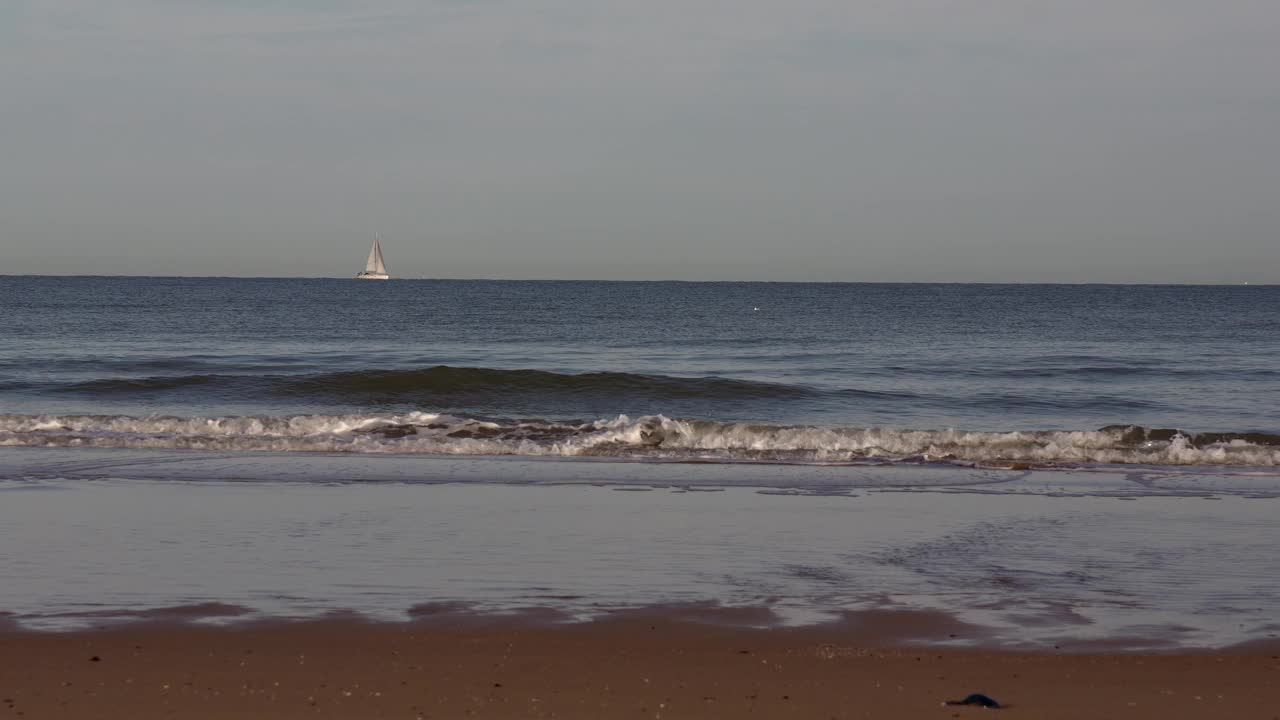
point(1048, 375)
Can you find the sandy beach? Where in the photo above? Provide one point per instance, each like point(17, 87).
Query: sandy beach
point(644, 664)
point(384, 598)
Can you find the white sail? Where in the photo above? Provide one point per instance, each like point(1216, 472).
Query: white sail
point(375, 264)
point(374, 267)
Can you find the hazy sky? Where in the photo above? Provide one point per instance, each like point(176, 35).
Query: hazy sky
point(978, 140)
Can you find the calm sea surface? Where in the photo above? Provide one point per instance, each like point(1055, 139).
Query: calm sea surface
point(993, 374)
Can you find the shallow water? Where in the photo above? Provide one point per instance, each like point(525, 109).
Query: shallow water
point(1139, 560)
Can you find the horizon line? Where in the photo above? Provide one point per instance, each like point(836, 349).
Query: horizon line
point(654, 280)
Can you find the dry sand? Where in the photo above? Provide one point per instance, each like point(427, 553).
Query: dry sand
point(637, 665)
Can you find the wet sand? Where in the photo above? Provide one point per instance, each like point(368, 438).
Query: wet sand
point(647, 664)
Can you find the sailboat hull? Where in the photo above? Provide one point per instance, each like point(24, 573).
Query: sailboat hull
point(373, 276)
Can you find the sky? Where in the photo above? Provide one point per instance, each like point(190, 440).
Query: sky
point(825, 140)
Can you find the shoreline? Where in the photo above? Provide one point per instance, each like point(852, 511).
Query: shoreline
point(886, 627)
point(47, 464)
point(657, 662)
point(391, 436)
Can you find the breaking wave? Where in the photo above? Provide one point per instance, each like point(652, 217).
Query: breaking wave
point(654, 437)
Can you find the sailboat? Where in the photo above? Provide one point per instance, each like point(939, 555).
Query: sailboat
point(374, 268)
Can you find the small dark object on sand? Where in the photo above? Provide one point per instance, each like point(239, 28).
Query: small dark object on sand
point(976, 699)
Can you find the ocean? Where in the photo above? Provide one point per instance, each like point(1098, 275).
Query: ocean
point(1047, 375)
point(1035, 459)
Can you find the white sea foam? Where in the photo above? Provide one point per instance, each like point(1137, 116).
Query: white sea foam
point(656, 437)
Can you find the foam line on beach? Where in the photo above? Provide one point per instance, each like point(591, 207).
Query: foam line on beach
point(653, 437)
